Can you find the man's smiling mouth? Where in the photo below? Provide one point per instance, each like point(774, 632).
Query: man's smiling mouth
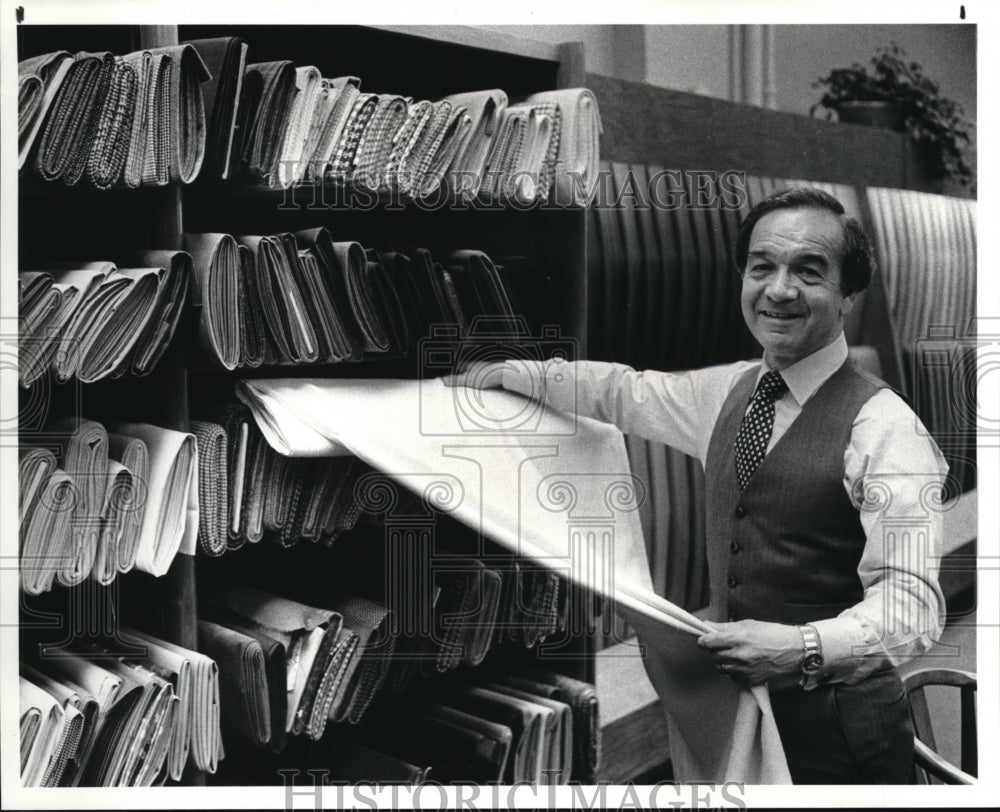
point(774, 315)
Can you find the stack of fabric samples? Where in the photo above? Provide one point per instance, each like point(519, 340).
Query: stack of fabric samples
point(279, 124)
point(130, 713)
point(303, 298)
point(535, 727)
point(105, 502)
point(94, 320)
point(288, 668)
point(114, 121)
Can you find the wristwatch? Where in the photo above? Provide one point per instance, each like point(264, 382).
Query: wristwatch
point(812, 656)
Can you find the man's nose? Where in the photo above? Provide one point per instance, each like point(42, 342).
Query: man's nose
point(781, 285)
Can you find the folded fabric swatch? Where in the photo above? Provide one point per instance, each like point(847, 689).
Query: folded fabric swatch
point(292, 161)
point(343, 157)
point(69, 130)
point(579, 138)
point(133, 455)
point(400, 275)
point(376, 143)
point(318, 308)
point(43, 75)
point(215, 293)
point(551, 111)
point(505, 153)
point(557, 762)
point(47, 533)
point(185, 112)
point(136, 741)
point(480, 288)
point(110, 146)
point(525, 720)
point(196, 680)
point(41, 729)
point(85, 459)
point(266, 133)
point(346, 338)
point(337, 98)
point(243, 689)
point(149, 144)
point(225, 60)
point(80, 723)
point(399, 168)
point(255, 349)
point(519, 167)
point(485, 109)
point(110, 342)
point(582, 699)
point(170, 521)
point(319, 650)
point(41, 324)
point(275, 667)
point(94, 308)
point(390, 305)
point(373, 624)
point(237, 426)
point(439, 151)
point(174, 269)
point(119, 499)
point(29, 99)
point(36, 300)
point(286, 319)
point(35, 466)
point(251, 94)
point(213, 487)
point(467, 747)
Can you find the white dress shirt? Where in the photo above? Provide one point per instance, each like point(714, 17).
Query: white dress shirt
point(893, 472)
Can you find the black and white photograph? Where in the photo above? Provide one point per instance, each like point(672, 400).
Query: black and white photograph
point(518, 406)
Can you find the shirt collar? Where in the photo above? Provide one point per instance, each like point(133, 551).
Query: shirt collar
point(806, 376)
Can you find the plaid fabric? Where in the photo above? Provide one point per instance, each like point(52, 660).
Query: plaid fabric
point(362, 112)
point(550, 109)
point(397, 174)
point(213, 487)
point(345, 91)
point(114, 127)
point(427, 145)
point(376, 142)
point(69, 131)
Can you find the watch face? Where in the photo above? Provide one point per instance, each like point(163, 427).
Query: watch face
point(812, 663)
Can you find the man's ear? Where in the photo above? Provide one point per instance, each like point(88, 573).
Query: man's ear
point(848, 303)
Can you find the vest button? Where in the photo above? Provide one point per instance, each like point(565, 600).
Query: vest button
point(732, 581)
point(740, 511)
point(734, 547)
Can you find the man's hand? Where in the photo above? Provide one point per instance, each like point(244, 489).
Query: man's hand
point(478, 375)
point(753, 651)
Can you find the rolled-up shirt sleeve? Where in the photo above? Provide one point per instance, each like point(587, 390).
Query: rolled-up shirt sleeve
point(894, 474)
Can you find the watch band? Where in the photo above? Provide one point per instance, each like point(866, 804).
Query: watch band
point(812, 656)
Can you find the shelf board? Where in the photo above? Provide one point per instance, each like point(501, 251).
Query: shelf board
point(478, 38)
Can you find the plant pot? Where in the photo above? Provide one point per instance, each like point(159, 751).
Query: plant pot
point(872, 113)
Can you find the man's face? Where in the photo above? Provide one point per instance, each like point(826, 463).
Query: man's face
point(791, 297)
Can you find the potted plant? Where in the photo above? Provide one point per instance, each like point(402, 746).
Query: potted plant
point(894, 92)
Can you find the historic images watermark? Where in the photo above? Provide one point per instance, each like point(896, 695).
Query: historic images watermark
point(305, 789)
point(663, 189)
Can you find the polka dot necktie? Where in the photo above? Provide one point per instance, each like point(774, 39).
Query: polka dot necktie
point(758, 423)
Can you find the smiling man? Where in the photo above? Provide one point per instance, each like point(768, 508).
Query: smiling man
point(805, 459)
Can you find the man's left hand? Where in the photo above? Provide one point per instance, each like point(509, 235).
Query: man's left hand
point(753, 651)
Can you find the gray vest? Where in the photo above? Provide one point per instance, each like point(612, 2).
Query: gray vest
point(787, 548)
